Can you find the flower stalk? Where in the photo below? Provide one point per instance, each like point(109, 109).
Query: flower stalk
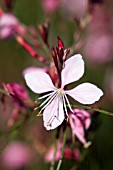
point(94, 109)
point(54, 158)
point(63, 148)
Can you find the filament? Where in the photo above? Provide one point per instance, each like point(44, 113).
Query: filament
point(46, 95)
point(68, 103)
point(52, 98)
point(52, 94)
point(63, 97)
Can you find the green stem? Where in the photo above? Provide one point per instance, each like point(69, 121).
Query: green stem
point(63, 149)
point(46, 49)
point(94, 109)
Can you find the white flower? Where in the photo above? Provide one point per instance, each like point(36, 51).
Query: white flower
point(55, 105)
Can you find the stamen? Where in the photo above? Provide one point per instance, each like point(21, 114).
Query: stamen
point(52, 98)
point(68, 103)
point(64, 105)
point(46, 95)
point(47, 99)
point(39, 114)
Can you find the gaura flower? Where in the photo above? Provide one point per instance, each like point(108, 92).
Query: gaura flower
point(50, 6)
point(55, 105)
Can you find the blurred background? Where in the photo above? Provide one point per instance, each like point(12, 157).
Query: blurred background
point(86, 27)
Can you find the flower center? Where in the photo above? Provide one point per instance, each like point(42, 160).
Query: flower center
point(60, 91)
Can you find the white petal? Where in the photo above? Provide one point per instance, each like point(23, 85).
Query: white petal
point(85, 93)
point(73, 70)
point(53, 115)
point(39, 82)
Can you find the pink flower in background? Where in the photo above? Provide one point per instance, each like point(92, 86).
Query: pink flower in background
point(8, 25)
point(68, 153)
point(55, 105)
point(19, 98)
point(79, 121)
point(50, 5)
point(16, 155)
point(74, 8)
point(95, 45)
point(50, 153)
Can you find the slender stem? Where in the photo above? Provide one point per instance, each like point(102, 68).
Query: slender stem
point(59, 164)
point(63, 149)
point(94, 109)
point(54, 159)
point(46, 49)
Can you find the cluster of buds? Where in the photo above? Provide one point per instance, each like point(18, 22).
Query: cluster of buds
point(10, 26)
point(19, 98)
point(59, 55)
point(31, 41)
point(18, 94)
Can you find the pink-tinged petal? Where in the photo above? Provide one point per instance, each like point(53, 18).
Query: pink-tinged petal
point(32, 69)
point(85, 93)
point(73, 70)
point(39, 82)
point(84, 117)
point(77, 128)
point(53, 114)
